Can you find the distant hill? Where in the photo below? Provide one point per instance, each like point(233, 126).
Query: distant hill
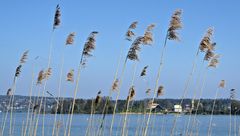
point(21, 104)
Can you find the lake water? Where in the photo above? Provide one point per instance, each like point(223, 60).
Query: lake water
point(162, 125)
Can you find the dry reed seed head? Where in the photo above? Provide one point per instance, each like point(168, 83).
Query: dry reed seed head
point(48, 73)
point(209, 54)
point(70, 75)
point(148, 92)
point(70, 38)
point(115, 85)
point(9, 92)
point(57, 19)
point(130, 34)
point(89, 46)
point(160, 91)
point(206, 43)
point(135, 48)
point(148, 36)
point(222, 84)
point(175, 24)
point(24, 57)
point(18, 71)
point(133, 25)
point(214, 61)
point(98, 98)
point(35, 107)
point(41, 77)
point(131, 93)
point(150, 27)
point(144, 71)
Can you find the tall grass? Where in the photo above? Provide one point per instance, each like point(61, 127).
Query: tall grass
point(30, 99)
point(69, 41)
point(204, 45)
point(147, 39)
point(175, 24)
point(11, 93)
point(221, 85)
point(213, 62)
point(129, 36)
point(89, 46)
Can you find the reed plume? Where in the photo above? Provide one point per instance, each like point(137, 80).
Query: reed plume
point(175, 24)
point(98, 99)
point(89, 46)
point(130, 34)
point(214, 61)
point(9, 92)
point(135, 48)
point(160, 91)
point(222, 84)
point(131, 93)
point(24, 57)
point(148, 36)
point(115, 85)
point(144, 71)
point(209, 54)
point(70, 75)
point(18, 71)
point(148, 91)
point(48, 73)
point(57, 16)
point(41, 77)
point(206, 43)
point(70, 38)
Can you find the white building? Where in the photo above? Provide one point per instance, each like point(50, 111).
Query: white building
point(177, 108)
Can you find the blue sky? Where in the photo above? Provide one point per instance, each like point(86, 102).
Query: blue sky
point(26, 25)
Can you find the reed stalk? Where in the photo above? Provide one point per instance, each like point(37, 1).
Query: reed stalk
point(129, 36)
point(186, 88)
point(88, 48)
point(30, 99)
point(114, 86)
point(199, 101)
point(90, 120)
point(221, 85)
point(175, 24)
point(44, 88)
point(129, 98)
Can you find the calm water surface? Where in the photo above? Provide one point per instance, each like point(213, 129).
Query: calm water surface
point(159, 125)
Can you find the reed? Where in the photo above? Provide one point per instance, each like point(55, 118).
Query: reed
point(232, 97)
point(172, 34)
point(205, 44)
point(89, 46)
point(11, 92)
point(131, 28)
point(147, 39)
point(221, 85)
point(30, 98)
point(69, 41)
point(213, 62)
